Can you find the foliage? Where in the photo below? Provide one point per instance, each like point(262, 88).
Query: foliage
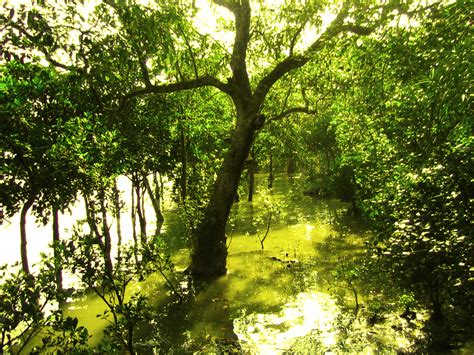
point(63, 335)
point(124, 50)
point(406, 131)
point(34, 106)
point(201, 135)
point(146, 129)
point(347, 274)
point(280, 142)
point(324, 170)
point(83, 256)
point(92, 149)
point(389, 125)
point(268, 214)
point(28, 309)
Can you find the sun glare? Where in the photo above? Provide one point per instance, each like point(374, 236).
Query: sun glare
point(265, 332)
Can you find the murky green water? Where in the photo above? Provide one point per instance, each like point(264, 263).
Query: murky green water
point(274, 300)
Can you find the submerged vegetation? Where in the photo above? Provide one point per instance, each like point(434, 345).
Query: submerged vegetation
point(298, 176)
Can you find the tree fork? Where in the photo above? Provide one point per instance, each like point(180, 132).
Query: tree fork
point(210, 252)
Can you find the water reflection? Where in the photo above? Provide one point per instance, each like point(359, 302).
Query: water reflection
point(279, 299)
point(279, 332)
point(273, 300)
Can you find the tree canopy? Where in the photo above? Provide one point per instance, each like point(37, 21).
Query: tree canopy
point(369, 100)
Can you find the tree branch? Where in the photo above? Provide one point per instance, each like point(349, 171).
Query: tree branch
point(34, 39)
point(288, 93)
point(360, 30)
point(290, 111)
point(285, 66)
point(228, 4)
point(145, 74)
point(174, 87)
point(191, 52)
point(242, 36)
point(293, 62)
point(304, 109)
point(295, 37)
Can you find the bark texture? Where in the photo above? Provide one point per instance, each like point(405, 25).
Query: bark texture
point(210, 251)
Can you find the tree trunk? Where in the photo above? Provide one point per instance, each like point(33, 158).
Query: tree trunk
point(184, 165)
point(155, 201)
point(291, 166)
point(140, 210)
point(209, 256)
point(91, 220)
point(251, 180)
point(56, 242)
point(143, 210)
point(159, 189)
point(271, 176)
point(118, 210)
point(327, 156)
point(134, 222)
point(107, 237)
point(23, 242)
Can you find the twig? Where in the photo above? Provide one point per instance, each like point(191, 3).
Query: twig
point(269, 223)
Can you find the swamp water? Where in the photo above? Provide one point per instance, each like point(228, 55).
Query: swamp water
point(279, 299)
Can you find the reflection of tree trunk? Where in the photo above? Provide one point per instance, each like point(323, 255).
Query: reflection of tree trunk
point(155, 201)
point(271, 175)
point(213, 306)
point(106, 234)
point(56, 242)
point(118, 210)
point(210, 251)
point(24, 252)
point(356, 298)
